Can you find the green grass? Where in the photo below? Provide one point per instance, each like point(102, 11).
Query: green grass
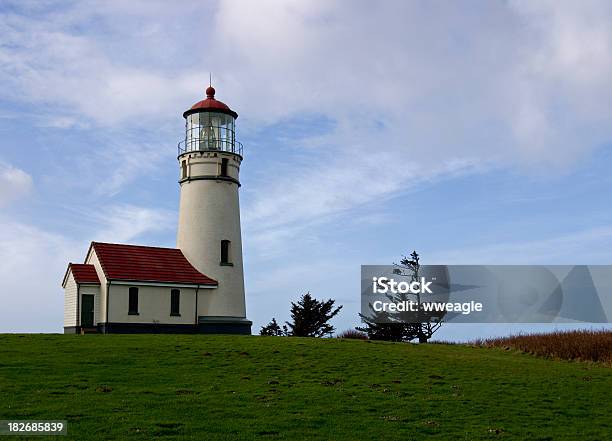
point(230, 387)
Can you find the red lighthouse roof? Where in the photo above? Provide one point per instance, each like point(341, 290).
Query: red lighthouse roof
point(147, 264)
point(210, 104)
point(82, 273)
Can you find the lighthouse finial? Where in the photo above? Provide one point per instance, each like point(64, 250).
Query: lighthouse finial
point(210, 91)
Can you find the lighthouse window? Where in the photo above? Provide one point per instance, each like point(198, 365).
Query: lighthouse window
point(225, 252)
point(192, 132)
point(184, 169)
point(175, 299)
point(224, 166)
point(133, 301)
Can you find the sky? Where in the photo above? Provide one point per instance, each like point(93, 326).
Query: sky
point(474, 132)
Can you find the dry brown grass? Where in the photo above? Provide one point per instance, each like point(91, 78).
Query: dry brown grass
point(583, 345)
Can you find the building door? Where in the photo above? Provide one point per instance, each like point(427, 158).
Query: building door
point(87, 311)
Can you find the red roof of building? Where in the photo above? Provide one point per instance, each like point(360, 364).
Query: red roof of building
point(210, 104)
point(147, 264)
point(83, 273)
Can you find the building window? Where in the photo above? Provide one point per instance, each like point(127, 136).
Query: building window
point(224, 162)
point(133, 302)
point(225, 252)
point(175, 302)
point(183, 169)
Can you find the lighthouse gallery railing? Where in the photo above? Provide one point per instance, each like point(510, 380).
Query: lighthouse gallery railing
point(209, 140)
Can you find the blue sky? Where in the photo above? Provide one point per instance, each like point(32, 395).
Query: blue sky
point(476, 132)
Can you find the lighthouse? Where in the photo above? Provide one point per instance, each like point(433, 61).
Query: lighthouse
point(197, 287)
point(209, 235)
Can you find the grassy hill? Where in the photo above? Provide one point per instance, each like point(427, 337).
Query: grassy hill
point(231, 387)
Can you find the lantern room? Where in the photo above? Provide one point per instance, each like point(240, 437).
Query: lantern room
point(210, 126)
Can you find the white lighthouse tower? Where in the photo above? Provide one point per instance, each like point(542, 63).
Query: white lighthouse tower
point(209, 215)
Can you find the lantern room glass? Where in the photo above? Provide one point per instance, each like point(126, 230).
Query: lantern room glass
point(210, 131)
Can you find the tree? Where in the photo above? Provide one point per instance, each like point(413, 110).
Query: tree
point(387, 331)
point(402, 326)
point(273, 328)
point(311, 317)
point(409, 267)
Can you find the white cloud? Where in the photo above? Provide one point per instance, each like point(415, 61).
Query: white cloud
point(312, 194)
point(561, 104)
point(14, 183)
point(588, 247)
point(416, 92)
point(425, 89)
point(33, 262)
point(514, 82)
point(125, 223)
point(126, 160)
point(438, 77)
point(89, 62)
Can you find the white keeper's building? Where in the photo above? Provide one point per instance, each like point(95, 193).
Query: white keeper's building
point(197, 287)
